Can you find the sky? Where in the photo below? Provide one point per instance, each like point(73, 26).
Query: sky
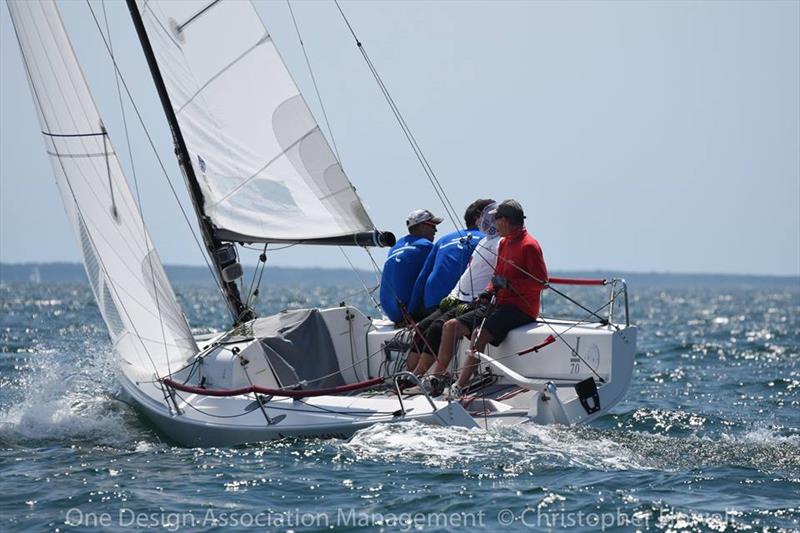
point(638, 136)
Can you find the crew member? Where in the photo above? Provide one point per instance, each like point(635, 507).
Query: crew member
point(404, 262)
point(447, 261)
point(520, 277)
point(460, 300)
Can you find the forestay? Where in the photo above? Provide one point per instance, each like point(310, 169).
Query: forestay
point(265, 169)
point(145, 322)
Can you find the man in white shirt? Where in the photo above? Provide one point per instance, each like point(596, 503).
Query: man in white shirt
point(461, 299)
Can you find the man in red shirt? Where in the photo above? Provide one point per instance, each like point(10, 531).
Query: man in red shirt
point(519, 278)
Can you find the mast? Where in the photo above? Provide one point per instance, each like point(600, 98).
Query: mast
point(214, 246)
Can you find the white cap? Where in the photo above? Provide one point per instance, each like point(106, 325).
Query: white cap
point(418, 216)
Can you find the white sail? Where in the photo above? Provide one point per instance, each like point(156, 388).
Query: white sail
point(265, 169)
point(149, 331)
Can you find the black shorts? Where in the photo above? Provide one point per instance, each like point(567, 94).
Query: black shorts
point(431, 330)
point(499, 321)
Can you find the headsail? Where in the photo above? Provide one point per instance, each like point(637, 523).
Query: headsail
point(145, 322)
point(266, 171)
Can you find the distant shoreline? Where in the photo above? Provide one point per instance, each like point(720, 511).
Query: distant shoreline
point(64, 272)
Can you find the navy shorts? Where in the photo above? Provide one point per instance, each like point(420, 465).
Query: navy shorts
point(499, 322)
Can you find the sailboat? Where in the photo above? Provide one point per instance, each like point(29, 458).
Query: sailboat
point(259, 170)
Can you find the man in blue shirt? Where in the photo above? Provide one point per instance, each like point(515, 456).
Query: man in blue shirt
point(446, 262)
point(404, 262)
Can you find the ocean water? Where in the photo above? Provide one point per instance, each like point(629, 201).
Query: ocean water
point(707, 439)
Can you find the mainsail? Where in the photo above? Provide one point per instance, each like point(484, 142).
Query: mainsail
point(266, 171)
point(149, 331)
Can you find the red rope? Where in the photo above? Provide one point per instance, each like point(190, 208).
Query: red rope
point(274, 392)
point(416, 331)
point(549, 340)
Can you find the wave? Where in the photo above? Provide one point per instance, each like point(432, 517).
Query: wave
point(509, 450)
point(67, 398)
point(530, 448)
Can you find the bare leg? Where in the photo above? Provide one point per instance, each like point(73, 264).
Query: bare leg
point(412, 361)
point(452, 331)
point(425, 362)
point(471, 364)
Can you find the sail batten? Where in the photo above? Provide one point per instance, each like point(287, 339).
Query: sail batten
point(264, 167)
point(149, 332)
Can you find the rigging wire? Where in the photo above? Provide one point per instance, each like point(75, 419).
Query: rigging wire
point(330, 134)
point(544, 283)
point(547, 285)
point(157, 156)
point(363, 283)
point(314, 81)
point(560, 336)
point(377, 268)
point(135, 181)
point(437, 186)
point(543, 320)
point(255, 273)
point(254, 289)
point(246, 247)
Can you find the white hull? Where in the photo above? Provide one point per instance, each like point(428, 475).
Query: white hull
point(194, 429)
point(535, 388)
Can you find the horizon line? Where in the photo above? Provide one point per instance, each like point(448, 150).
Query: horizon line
point(296, 267)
